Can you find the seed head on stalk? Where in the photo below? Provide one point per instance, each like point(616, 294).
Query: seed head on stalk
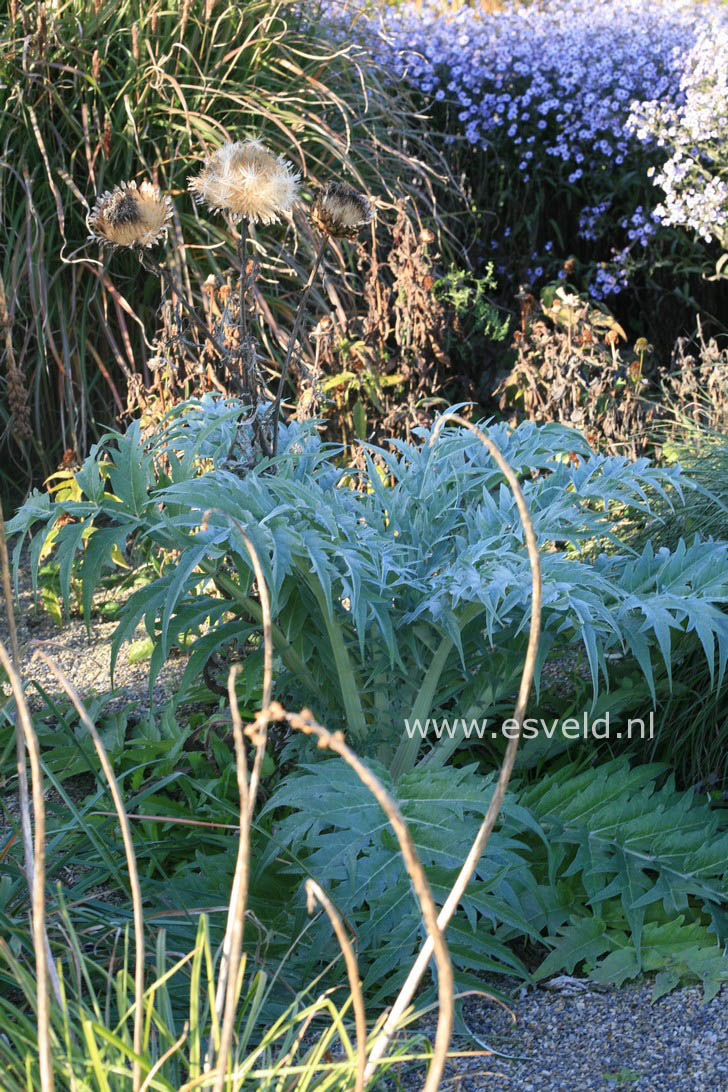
point(246, 180)
point(341, 211)
point(130, 215)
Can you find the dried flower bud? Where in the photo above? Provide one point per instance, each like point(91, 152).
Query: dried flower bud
point(130, 215)
point(106, 137)
point(18, 395)
point(341, 211)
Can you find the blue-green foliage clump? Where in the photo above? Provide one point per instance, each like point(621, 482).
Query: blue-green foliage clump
point(400, 592)
point(410, 577)
point(610, 869)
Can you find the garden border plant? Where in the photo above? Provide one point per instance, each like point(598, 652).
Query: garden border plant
point(539, 106)
point(228, 980)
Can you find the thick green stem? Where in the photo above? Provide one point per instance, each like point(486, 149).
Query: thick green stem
point(290, 657)
point(348, 682)
point(406, 754)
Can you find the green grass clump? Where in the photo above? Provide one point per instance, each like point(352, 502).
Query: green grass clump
point(704, 510)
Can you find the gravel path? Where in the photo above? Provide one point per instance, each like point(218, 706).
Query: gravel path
point(589, 1041)
point(85, 657)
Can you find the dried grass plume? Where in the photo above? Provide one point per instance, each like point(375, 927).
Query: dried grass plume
point(248, 181)
point(341, 211)
point(130, 215)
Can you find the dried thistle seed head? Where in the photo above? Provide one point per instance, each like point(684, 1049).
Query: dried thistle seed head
point(341, 211)
point(248, 181)
point(130, 215)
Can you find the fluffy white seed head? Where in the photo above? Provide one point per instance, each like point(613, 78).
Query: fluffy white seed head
point(246, 180)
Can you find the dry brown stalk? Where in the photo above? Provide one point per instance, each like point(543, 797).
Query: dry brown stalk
point(481, 840)
point(17, 389)
point(315, 893)
point(293, 338)
point(23, 798)
point(233, 943)
point(227, 984)
point(37, 877)
point(304, 722)
point(8, 592)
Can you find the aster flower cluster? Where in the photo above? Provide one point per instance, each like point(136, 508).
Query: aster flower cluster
point(592, 219)
point(694, 178)
point(549, 89)
point(610, 277)
point(556, 81)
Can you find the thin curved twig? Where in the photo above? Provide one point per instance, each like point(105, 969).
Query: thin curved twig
point(316, 893)
point(23, 796)
point(37, 878)
point(8, 593)
point(481, 839)
point(164, 1058)
point(26, 826)
point(305, 722)
point(233, 941)
point(135, 887)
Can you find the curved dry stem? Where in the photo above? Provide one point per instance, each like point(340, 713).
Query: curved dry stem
point(36, 879)
point(481, 839)
point(23, 797)
point(163, 1058)
point(26, 826)
point(136, 891)
point(233, 942)
point(227, 984)
point(304, 722)
point(316, 893)
point(8, 593)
